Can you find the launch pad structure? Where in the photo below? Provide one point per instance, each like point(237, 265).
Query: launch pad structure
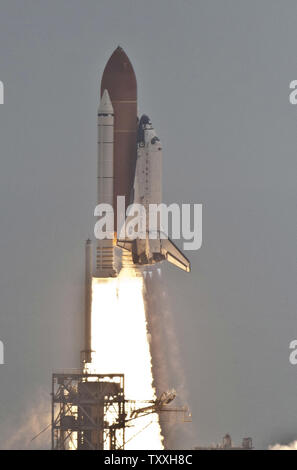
point(88, 411)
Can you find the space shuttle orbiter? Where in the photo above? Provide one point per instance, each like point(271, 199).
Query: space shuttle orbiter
point(154, 246)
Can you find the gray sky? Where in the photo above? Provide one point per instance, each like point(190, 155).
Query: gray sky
point(214, 78)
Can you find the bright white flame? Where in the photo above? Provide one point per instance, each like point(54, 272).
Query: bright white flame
point(120, 342)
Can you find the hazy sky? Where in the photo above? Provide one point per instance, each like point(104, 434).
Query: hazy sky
point(214, 77)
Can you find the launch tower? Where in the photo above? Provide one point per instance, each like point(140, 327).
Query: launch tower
point(88, 411)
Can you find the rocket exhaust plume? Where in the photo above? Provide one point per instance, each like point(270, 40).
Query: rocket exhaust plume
point(119, 339)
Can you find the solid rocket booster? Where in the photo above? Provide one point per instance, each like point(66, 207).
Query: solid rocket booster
point(105, 183)
point(105, 150)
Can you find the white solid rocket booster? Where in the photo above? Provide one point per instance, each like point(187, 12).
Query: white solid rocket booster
point(104, 266)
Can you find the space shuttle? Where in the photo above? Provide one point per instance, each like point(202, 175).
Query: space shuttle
point(130, 165)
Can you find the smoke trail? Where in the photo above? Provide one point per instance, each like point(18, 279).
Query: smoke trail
point(168, 370)
point(32, 422)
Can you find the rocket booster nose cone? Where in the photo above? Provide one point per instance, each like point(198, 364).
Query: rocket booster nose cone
point(119, 77)
point(105, 106)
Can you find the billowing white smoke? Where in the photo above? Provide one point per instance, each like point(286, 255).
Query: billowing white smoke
point(37, 418)
point(168, 369)
point(291, 446)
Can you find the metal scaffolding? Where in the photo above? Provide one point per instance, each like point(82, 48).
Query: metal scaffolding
point(88, 411)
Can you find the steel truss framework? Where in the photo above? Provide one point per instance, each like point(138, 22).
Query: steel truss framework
point(88, 411)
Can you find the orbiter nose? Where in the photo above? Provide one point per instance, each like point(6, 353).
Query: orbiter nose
point(144, 121)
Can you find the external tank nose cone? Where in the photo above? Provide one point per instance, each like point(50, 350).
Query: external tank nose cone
point(119, 77)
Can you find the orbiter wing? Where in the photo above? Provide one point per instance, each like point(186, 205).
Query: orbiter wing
point(174, 255)
point(152, 251)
